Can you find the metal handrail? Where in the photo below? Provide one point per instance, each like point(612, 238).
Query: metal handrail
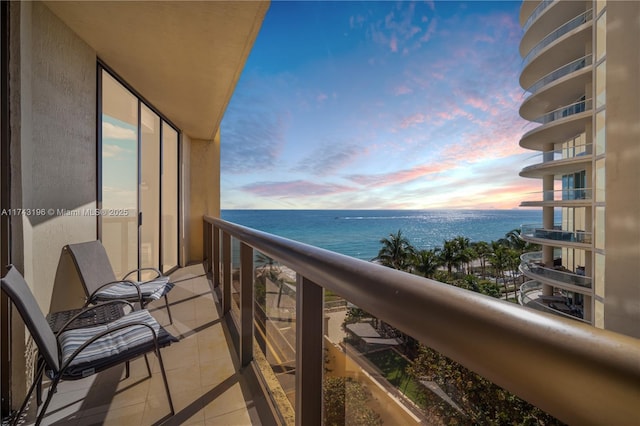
point(536, 12)
point(565, 194)
point(565, 111)
point(567, 69)
point(557, 33)
point(555, 234)
point(526, 300)
point(489, 336)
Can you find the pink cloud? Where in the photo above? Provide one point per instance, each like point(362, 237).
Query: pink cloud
point(297, 188)
point(400, 176)
point(322, 97)
point(393, 44)
point(402, 90)
point(412, 120)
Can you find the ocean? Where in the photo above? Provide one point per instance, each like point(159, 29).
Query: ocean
point(357, 233)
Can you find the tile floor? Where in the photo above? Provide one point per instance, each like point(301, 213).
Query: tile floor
point(207, 387)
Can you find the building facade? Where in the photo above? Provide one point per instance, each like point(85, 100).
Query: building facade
point(110, 130)
point(581, 72)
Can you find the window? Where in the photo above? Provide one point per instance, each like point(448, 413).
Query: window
point(138, 181)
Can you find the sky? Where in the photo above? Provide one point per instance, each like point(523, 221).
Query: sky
point(379, 105)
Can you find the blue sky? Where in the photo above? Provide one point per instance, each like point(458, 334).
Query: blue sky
point(378, 105)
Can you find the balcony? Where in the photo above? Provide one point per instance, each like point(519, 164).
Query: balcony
point(207, 385)
point(559, 87)
point(565, 111)
point(222, 344)
point(563, 71)
point(560, 128)
point(579, 197)
point(531, 265)
point(540, 235)
point(560, 162)
point(531, 296)
point(558, 33)
point(536, 12)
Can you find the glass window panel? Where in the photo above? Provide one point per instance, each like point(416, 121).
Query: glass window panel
point(150, 190)
point(601, 85)
point(601, 139)
point(599, 231)
point(600, 180)
point(598, 276)
point(169, 197)
point(601, 36)
point(119, 174)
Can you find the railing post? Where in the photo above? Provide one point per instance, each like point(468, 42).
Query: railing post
point(216, 255)
point(246, 304)
point(309, 352)
point(226, 273)
point(206, 237)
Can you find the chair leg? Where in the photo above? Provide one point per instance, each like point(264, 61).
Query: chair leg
point(166, 303)
point(52, 390)
point(146, 361)
point(127, 370)
point(36, 381)
point(166, 384)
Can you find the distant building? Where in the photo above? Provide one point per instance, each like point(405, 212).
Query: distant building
point(581, 72)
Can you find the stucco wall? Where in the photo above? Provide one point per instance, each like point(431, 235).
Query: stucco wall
point(204, 196)
point(53, 156)
point(622, 231)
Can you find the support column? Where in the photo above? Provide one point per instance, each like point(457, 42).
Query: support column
point(309, 352)
point(246, 304)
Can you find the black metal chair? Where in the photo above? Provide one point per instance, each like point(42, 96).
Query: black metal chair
point(100, 282)
point(78, 353)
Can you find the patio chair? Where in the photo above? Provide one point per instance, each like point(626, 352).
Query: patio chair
point(78, 353)
point(100, 282)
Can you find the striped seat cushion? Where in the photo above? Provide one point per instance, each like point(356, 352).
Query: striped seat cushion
point(112, 348)
point(151, 290)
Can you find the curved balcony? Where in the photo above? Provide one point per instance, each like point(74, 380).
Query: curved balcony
point(558, 197)
point(531, 296)
point(565, 111)
point(558, 73)
point(559, 130)
point(540, 235)
point(558, 162)
point(557, 33)
point(536, 12)
point(531, 265)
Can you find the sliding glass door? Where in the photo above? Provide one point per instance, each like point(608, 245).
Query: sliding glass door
point(139, 182)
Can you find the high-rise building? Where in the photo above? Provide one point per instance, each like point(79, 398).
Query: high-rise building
point(581, 72)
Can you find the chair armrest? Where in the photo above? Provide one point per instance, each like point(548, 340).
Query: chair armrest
point(91, 308)
point(156, 270)
point(134, 284)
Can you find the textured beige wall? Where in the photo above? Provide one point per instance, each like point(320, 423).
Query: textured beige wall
point(622, 230)
point(53, 156)
point(204, 196)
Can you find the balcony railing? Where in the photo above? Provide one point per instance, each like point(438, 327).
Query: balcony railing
point(530, 295)
point(576, 65)
point(557, 33)
point(562, 154)
point(558, 195)
point(489, 336)
point(555, 234)
point(536, 12)
point(532, 267)
point(565, 111)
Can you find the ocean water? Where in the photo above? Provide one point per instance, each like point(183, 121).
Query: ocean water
point(357, 233)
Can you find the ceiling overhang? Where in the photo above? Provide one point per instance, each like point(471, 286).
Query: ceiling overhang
point(185, 58)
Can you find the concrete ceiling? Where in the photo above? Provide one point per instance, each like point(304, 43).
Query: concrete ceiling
point(185, 58)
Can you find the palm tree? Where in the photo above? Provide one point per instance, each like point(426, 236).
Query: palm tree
point(449, 255)
point(426, 262)
point(499, 260)
point(396, 251)
point(482, 250)
point(465, 254)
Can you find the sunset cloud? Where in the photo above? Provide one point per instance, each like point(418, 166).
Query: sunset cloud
point(299, 188)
